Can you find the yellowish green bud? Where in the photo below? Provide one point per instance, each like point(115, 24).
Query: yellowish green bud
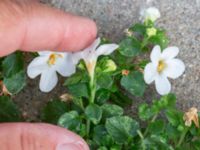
point(151, 32)
point(110, 66)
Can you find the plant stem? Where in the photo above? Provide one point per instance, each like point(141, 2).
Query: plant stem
point(144, 42)
point(88, 128)
point(92, 90)
point(182, 137)
point(92, 86)
point(142, 139)
point(152, 120)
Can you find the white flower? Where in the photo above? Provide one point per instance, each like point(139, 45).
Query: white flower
point(47, 64)
point(91, 54)
point(163, 65)
point(150, 13)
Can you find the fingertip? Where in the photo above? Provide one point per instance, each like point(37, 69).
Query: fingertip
point(72, 146)
point(80, 34)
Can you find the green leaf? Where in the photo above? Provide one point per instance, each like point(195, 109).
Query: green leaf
point(102, 148)
point(102, 96)
point(93, 113)
point(16, 82)
point(121, 60)
point(160, 39)
point(157, 127)
point(116, 147)
point(8, 110)
point(172, 132)
point(111, 110)
point(13, 72)
point(134, 83)
point(101, 136)
point(157, 142)
point(145, 112)
point(79, 90)
point(70, 120)
point(76, 78)
point(129, 47)
point(174, 116)
point(82, 131)
point(13, 64)
point(53, 110)
point(165, 102)
point(122, 128)
point(139, 28)
point(104, 81)
point(120, 98)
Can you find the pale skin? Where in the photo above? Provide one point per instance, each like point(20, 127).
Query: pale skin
point(31, 26)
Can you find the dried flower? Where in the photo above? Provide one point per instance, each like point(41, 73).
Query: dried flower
point(191, 115)
point(4, 90)
point(66, 97)
point(128, 32)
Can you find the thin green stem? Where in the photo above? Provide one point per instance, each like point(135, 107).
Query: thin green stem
point(92, 90)
point(152, 120)
point(88, 128)
point(182, 137)
point(142, 139)
point(140, 134)
point(92, 86)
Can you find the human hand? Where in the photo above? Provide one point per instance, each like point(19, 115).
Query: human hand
point(27, 136)
point(30, 26)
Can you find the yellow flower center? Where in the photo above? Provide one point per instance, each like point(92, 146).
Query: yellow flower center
point(161, 66)
point(52, 59)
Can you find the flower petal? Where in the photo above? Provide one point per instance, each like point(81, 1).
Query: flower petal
point(94, 44)
point(106, 49)
point(174, 69)
point(163, 85)
point(48, 80)
point(65, 66)
point(45, 53)
point(150, 73)
point(170, 52)
point(86, 53)
point(155, 54)
point(37, 66)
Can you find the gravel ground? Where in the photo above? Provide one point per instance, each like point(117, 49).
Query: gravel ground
point(181, 19)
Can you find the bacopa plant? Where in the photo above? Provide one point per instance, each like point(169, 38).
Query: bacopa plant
point(101, 81)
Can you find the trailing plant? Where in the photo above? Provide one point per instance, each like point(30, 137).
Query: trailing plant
point(102, 80)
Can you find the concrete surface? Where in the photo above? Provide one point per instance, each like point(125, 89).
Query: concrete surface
point(181, 19)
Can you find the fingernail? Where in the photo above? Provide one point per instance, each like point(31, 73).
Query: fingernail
point(69, 146)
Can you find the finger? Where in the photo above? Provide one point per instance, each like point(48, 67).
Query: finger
point(26, 136)
point(40, 27)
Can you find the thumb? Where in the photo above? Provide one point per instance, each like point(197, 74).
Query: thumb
point(32, 26)
point(26, 136)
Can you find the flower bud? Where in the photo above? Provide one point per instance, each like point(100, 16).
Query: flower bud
point(125, 72)
point(151, 14)
point(110, 66)
point(151, 32)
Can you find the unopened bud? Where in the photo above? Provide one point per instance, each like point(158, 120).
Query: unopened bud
point(125, 72)
point(151, 32)
point(110, 66)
